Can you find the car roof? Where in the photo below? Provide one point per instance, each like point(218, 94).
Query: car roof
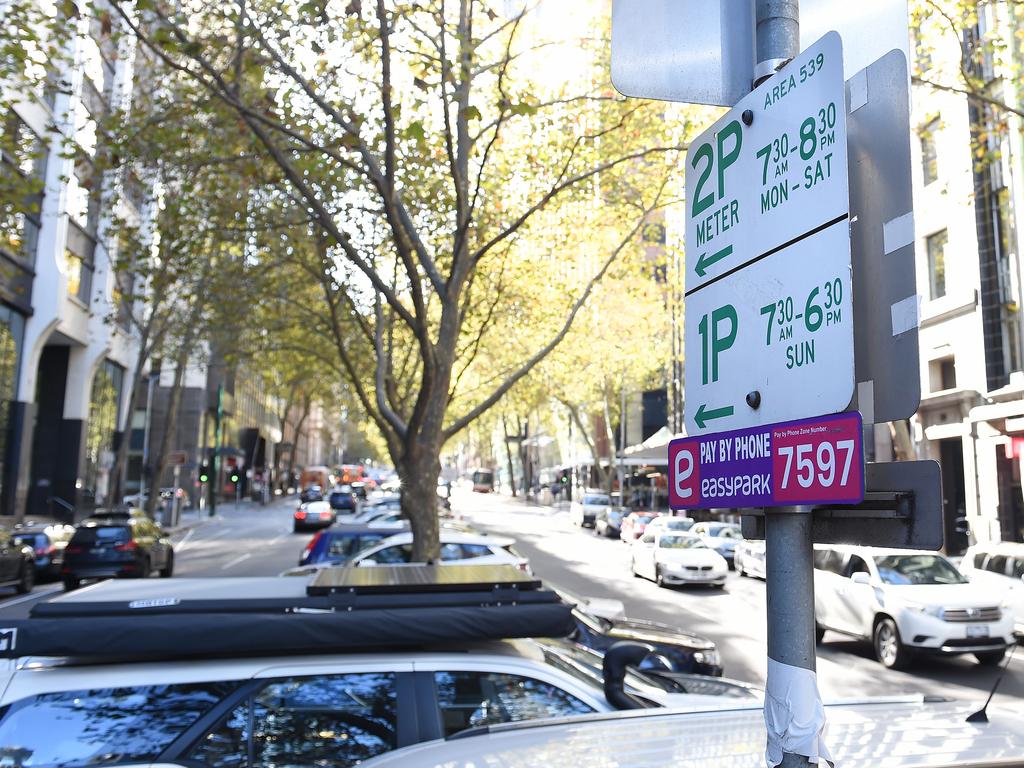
point(911, 734)
point(999, 547)
point(360, 529)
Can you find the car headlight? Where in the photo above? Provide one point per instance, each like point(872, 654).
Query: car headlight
point(709, 657)
point(929, 610)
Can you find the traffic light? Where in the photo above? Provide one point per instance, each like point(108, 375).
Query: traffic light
point(204, 473)
point(234, 476)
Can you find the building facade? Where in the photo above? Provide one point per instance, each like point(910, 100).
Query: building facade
point(65, 348)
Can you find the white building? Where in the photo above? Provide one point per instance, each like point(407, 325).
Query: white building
point(65, 355)
point(968, 213)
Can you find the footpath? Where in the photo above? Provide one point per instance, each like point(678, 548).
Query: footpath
point(188, 519)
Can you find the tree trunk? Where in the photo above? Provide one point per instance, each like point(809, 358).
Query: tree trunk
point(418, 471)
point(295, 438)
point(121, 459)
point(169, 428)
point(508, 452)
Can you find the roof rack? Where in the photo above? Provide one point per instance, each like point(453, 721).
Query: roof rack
point(339, 609)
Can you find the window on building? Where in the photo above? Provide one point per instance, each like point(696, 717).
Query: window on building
point(78, 263)
point(22, 169)
point(942, 374)
point(936, 245)
point(929, 154)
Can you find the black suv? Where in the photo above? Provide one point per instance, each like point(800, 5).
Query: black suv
point(125, 545)
point(17, 563)
point(344, 499)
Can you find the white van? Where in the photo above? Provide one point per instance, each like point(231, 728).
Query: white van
point(907, 601)
point(1000, 565)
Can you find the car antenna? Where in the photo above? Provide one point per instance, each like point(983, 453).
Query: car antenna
point(980, 716)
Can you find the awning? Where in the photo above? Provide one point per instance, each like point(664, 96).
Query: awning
point(652, 452)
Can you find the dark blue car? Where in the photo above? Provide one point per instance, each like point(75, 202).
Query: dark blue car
point(337, 545)
point(48, 543)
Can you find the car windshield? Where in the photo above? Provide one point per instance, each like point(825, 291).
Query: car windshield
point(597, 500)
point(681, 542)
point(318, 506)
point(917, 569)
point(721, 530)
point(101, 534)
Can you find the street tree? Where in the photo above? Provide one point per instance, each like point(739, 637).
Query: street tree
point(421, 144)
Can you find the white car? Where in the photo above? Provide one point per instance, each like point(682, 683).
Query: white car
point(1000, 566)
point(906, 732)
point(677, 558)
point(750, 559)
point(721, 537)
point(906, 602)
point(244, 686)
point(583, 512)
point(671, 523)
point(456, 549)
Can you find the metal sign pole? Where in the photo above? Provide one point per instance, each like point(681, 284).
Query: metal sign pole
point(789, 547)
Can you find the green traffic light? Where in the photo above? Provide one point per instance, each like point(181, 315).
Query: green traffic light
point(203, 478)
point(234, 478)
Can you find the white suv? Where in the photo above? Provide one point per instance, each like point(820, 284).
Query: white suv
point(1001, 567)
point(221, 672)
point(907, 601)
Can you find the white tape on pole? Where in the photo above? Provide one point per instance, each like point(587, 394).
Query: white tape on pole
point(898, 232)
point(793, 714)
point(906, 314)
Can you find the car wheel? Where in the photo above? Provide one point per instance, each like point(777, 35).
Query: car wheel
point(28, 577)
point(990, 658)
point(819, 633)
point(71, 583)
point(632, 567)
point(659, 579)
point(168, 570)
point(146, 569)
point(889, 648)
point(739, 568)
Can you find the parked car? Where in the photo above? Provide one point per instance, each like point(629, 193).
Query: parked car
point(677, 558)
point(48, 542)
point(907, 602)
point(129, 546)
point(721, 537)
point(634, 524)
point(1002, 567)
point(674, 649)
point(384, 513)
point(583, 512)
point(17, 563)
point(313, 514)
point(456, 549)
point(245, 697)
point(750, 559)
point(337, 545)
point(609, 521)
point(343, 500)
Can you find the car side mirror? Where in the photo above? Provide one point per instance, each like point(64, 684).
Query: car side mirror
point(367, 563)
point(861, 578)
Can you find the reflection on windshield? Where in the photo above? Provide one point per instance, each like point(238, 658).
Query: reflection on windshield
point(586, 666)
point(917, 569)
point(681, 542)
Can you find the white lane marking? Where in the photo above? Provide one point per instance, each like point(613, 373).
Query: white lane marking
point(279, 537)
point(236, 561)
point(30, 596)
point(217, 534)
point(180, 546)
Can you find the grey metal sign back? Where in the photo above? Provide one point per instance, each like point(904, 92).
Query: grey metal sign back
point(696, 51)
point(885, 308)
point(702, 51)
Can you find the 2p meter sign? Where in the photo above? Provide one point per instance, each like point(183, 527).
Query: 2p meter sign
point(769, 311)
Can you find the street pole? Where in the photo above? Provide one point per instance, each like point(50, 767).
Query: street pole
point(215, 474)
point(789, 546)
point(622, 442)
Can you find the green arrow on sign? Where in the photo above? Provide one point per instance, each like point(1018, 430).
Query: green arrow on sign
point(702, 417)
point(704, 261)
